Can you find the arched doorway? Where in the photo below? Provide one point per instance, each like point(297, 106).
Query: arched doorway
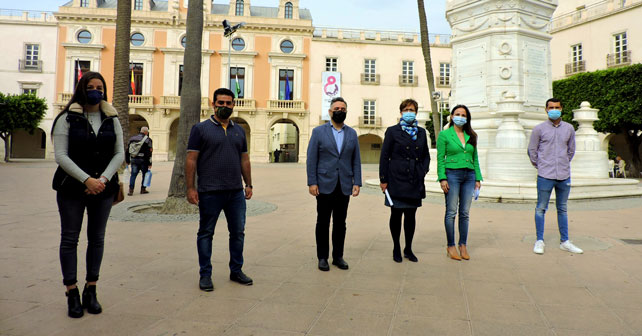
point(28, 146)
point(135, 123)
point(246, 127)
point(370, 148)
point(284, 141)
point(173, 135)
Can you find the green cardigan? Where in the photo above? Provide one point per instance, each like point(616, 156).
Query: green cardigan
point(452, 155)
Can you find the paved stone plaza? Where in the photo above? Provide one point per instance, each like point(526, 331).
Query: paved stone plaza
point(149, 277)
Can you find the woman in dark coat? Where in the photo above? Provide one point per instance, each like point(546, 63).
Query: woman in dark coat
point(88, 142)
point(405, 159)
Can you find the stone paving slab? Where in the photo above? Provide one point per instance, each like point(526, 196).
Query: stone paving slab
point(149, 276)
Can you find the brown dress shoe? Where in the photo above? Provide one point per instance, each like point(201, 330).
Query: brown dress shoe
point(143, 190)
point(131, 192)
point(463, 252)
point(451, 252)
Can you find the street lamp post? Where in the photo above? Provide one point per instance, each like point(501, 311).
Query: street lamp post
point(228, 31)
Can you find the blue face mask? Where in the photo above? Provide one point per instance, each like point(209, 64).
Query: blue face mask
point(459, 120)
point(94, 97)
point(408, 117)
point(554, 114)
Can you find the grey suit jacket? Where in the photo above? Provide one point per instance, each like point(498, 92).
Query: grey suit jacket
point(325, 165)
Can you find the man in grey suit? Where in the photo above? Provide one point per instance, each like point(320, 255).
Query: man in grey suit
point(334, 172)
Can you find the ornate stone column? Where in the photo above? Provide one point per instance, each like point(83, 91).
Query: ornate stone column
point(589, 161)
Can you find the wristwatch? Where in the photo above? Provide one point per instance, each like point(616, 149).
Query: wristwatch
point(249, 186)
point(103, 179)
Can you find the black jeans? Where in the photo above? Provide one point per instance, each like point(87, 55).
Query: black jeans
point(335, 205)
point(72, 210)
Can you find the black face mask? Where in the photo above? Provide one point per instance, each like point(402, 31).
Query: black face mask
point(94, 97)
point(223, 112)
point(339, 116)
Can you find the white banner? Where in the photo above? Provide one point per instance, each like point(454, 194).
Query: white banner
point(331, 88)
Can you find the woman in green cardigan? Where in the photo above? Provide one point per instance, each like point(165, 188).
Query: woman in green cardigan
point(459, 176)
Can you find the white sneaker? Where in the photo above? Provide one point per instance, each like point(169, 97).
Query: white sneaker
point(569, 247)
point(539, 247)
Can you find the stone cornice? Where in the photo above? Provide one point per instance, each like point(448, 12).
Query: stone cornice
point(282, 55)
point(142, 49)
point(596, 17)
point(239, 53)
point(82, 46)
point(393, 43)
point(182, 51)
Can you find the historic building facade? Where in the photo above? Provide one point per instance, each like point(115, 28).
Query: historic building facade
point(28, 65)
point(269, 53)
point(378, 70)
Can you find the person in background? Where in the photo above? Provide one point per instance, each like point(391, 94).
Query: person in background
point(140, 157)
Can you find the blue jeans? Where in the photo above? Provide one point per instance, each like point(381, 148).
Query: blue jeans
point(210, 204)
point(462, 186)
point(135, 168)
point(544, 189)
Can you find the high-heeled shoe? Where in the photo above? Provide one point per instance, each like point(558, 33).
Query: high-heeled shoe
point(463, 252)
point(90, 301)
point(74, 307)
point(452, 255)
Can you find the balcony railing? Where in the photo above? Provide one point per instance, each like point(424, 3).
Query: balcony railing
point(408, 80)
point(170, 101)
point(575, 67)
point(30, 65)
point(141, 101)
point(369, 122)
point(64, 98)
point(244, 104)
point(591, 12)
point(286, 105)
point(370, 79)
point(618, 59)
point(442, 81)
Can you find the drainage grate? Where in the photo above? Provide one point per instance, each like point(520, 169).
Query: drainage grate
point(632, 241)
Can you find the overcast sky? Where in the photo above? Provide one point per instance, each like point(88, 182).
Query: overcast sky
point(365, 14)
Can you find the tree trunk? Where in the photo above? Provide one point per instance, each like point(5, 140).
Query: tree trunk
point(121, 66)
point(425, 48)
point(633, 141)
point(6, 138)
point(176, 201)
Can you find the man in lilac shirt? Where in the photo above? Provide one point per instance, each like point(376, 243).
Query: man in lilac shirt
point(551, 150)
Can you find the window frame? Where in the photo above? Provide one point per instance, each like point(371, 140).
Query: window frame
point(282, 47)
point(331, 64)
point(84, 3)
point(242, 40)
point(240, 8)
point(138, 4)
point(369, 113)
point(408, 71)
point(35, 55)
point(289, 10)
point(444, 73)
point(232, 80)
point(370, 69)
point(281, 79)
point(131, 39)
point(89, 39)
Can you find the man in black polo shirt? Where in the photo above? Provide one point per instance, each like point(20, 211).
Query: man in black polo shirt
point(217, 152)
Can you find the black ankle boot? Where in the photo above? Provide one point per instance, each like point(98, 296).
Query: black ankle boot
point(408, 254)
point(89, 300)
point(396, 255)
point(74, 308)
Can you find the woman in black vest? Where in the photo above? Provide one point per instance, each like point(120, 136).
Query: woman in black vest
point(88, 143)
point(404, 162)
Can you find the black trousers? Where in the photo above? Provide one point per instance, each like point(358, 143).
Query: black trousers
point(72, 210)
point(335, 205)
point(408, 225)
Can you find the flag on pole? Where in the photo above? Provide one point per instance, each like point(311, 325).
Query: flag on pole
point(238, 87)
point(79, 70)
point(288, 92)
point(133, 84)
